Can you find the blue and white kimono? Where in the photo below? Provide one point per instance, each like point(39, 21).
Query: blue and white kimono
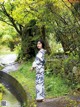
point(38, 64)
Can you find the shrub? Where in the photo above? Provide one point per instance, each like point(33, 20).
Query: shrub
point(68, 67)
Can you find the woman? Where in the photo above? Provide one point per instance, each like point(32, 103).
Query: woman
point(38, 64)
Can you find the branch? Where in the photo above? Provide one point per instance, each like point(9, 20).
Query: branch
point(1, 19)
point(30, 6)
point(71, 11)
point(11, 19)
point(60, 17)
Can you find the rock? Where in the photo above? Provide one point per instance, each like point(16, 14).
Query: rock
point(74, 69)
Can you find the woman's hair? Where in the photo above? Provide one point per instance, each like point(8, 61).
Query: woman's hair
point(42, 42)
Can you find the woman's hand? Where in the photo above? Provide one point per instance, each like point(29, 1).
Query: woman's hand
point(31, 69)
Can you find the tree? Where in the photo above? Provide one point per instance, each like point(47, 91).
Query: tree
point(64, 19)
point(26, 17)
point(34, 19)
point(8, 36)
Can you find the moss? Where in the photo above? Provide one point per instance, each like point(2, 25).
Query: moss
point(1, 67)
point(1, 96)
point(2, 90)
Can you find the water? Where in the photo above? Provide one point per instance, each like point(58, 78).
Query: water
point(9, 100)
point(8, 59)
point(11, 67)
point(8, 62)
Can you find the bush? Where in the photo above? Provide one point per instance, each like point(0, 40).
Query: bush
point(55, 85)
point(67, 67)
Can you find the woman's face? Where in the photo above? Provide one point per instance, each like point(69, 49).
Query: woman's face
point(39, 45)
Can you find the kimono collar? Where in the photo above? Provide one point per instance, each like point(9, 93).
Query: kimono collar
point(42, 50)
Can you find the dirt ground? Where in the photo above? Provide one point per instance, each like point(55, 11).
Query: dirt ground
point(59, 102)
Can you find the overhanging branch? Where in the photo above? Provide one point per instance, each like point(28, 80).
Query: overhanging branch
point(1, 19)
point(11, 20)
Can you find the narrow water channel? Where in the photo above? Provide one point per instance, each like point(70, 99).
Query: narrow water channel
point(8, 62)
point(15, 95)
point(9, 100)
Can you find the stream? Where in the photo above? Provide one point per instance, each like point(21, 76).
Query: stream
point(10, 100)
point(8, 63)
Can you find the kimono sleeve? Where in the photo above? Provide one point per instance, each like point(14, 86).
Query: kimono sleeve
point(38, 60)
point(40, 56)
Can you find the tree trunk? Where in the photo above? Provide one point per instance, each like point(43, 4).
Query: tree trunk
point(44, 37)
point(30, 35)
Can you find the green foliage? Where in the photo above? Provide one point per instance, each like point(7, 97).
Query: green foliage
point(72, 102)
point(2, 89)
point(5, 50)
point(62, 23)
point(55, 46)
point(1, 67)
point(54, 85)
point(59, 17)
point(66, 66)
point(17, 48)
point(8, 36)
point(27, 79)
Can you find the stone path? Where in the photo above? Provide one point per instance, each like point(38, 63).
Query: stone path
point(57, 102)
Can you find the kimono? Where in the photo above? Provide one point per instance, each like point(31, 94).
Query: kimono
point(38, 64)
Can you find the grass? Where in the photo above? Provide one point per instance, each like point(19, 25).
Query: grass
point(55, 86)
point(26, 78)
